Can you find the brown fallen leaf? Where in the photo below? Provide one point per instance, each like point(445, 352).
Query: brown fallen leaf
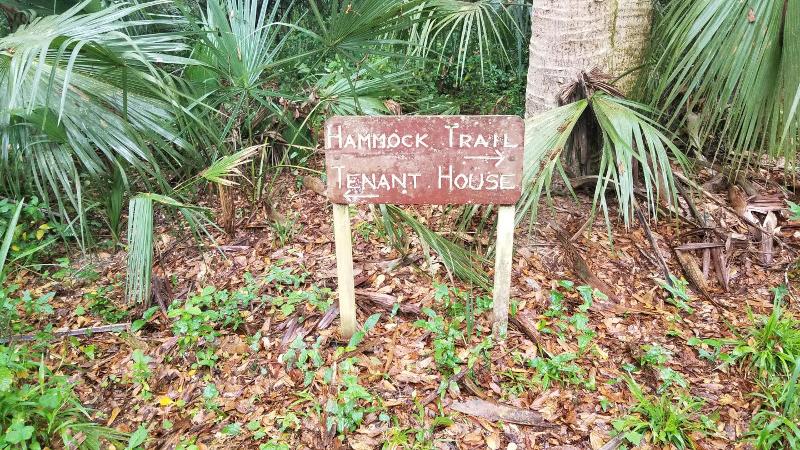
point(497, 411)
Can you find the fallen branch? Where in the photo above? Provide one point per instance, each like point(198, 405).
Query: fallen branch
point(659, 257)
point(65, 333)
point(613, 443)
point(387, 301)
point(493, 411)
point(524, 329)
point(728, 209)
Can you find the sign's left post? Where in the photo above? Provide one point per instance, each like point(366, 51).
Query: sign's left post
point(344, 269)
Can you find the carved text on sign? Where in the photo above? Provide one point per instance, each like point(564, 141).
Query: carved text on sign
point(424, 159)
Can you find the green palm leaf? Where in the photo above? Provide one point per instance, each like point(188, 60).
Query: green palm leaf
point(78, 96)
point(737, 65)
point(8, 238)
point(628, 137)
point(485, 26)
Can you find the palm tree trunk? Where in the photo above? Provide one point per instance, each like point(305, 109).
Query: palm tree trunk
point(571, 36)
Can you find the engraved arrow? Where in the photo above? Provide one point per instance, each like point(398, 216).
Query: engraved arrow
point(499, 158)
point(352, 198)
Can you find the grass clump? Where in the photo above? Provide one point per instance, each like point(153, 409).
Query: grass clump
point(669, 419)
point(772, 344)
point(775, 424)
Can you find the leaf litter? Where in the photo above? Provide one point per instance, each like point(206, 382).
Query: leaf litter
point(284, 375)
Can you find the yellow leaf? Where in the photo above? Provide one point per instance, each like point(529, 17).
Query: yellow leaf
point(15, 248)
point(39, 234)
point(44, 226)
point(164, 401)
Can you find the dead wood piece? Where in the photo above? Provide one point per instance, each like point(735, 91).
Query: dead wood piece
point(770, 224)
point(473, 387)
point(613, 443)
point(387, 301)
point(314, 184)
point(693, 272)
point(720, 266)
point(699, 246)
point(493, 411)
point(579, 265)
point(658, 256)
point(328, 317)
point(526, 330)
point(117, 327)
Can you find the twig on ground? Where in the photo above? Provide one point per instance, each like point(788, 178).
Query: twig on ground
point(656, 252)
point(117, 327)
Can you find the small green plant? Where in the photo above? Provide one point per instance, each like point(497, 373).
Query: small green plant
point(352, 402)
point(284, 230)
point(560, 368)
point(12, 302)
point(32, 232)
point(772, 344)
point(282, 277)
point(203, 314)
point(141, 373)
point(39, 409)
point(103, 307)
point(774, 426)
point(420, 437)
point(670, 378)
point(462, 304)
point(306, 359)
point(654, 355)
point(446, 334)
point(679, 293)
point(316, 297)
point(667, 420)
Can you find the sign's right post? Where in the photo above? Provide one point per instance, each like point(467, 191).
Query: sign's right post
point(502, 269)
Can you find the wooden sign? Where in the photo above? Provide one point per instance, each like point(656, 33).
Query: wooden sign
point(431, 160)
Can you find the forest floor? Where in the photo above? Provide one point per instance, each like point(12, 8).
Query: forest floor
point(201, 373)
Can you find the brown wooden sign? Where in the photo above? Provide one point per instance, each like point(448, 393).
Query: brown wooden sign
point(424, 159)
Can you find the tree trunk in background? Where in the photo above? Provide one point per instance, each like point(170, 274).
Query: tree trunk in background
point(571, 36)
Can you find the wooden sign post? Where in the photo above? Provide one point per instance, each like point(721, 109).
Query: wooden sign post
point(424, 160)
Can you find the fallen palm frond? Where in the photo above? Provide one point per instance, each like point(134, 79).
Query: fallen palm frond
point(140, 221)
point(140, 249)
point(729, 71)
point(461, 262)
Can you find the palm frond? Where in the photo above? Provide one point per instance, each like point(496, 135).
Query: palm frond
point(140, 240)
point(140, 250)
point(227, 167)
point(357, 28)
point(546, 137)
point(737, 66)
point(483, 26)
point(77, 94)
point(461, 262)
point(362, 93)
point(628, 137)
point(8, 238)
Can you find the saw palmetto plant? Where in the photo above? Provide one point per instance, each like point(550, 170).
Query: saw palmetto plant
point(452, 30)
point(730, 73)
point(80, 97)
